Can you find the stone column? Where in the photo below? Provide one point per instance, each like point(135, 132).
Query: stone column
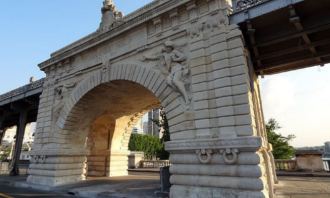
point(225, 156)
point(118, 163)
point(13, 167)
point(54, 167)
point(54, 159)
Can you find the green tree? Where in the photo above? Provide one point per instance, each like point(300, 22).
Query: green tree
point(150, 145)
point(281, 146)
point(4, 151)
point(163, 126)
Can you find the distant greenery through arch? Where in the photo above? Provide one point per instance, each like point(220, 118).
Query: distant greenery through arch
point(152, 146)
point(281, 145)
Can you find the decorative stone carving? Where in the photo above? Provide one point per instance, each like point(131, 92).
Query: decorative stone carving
point(215, 21)
point(230, 156)
point(104, 70)
point(204, 155)
point(244, 4)
point(110, 16)
point(172, 63)
point(61, 92)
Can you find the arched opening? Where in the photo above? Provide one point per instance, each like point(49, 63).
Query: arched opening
point(110, 111)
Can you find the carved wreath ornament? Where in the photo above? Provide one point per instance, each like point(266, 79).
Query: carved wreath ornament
point(229, 155)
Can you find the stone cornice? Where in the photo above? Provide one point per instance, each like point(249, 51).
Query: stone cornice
point(132, 20)
point(58, 152)
point(241, 143)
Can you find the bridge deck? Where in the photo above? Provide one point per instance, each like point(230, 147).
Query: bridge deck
point(294, 35)
point(26, 96)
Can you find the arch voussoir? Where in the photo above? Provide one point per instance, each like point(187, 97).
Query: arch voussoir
point(150, 79)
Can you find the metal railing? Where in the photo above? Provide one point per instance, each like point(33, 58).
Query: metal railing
point(239, 5)
point(154, 163)
point(21, 90)
point(286, 165)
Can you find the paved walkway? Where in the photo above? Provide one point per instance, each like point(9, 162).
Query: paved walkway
point(133, 186)
point(303, 187)
point(144, 185)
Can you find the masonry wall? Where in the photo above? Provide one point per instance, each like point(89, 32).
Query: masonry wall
point(218, 144)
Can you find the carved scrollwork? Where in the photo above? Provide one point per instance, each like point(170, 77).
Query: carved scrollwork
point(204, 155)
point(230, 156)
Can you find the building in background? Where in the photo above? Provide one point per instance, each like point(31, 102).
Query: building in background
point(10, 133)
point(146, 125)
point(153, 129)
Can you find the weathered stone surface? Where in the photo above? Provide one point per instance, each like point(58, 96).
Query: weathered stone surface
point(182, 55)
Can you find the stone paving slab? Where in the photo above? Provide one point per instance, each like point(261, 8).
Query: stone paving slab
point(137, 186)
point(303, 187)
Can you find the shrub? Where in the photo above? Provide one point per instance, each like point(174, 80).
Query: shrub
point(150, 145)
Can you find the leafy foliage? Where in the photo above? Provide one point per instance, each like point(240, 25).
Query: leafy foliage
point(150, 145)
point(4, 152)
point(281, 146)
point(164, 127)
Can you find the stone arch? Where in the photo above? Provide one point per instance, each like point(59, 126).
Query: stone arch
point(80, 132)
point(152, 80)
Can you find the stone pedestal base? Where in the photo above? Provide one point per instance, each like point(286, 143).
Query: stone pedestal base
point(118, 164)
point(55, 168)
point(218, 168)
point(97, 165)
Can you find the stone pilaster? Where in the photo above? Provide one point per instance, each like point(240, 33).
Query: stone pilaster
point(118, 163)
point(228, 157)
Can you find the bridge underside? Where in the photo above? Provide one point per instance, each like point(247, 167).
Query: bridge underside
point(11, 112)
point(23, 99)
point(290, 38)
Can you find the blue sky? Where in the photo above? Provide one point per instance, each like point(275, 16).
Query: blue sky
point(32, 29)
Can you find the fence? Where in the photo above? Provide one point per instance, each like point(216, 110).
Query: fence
point(22, 166)
point(286, 165)
point(239, 5)
point(154, 163)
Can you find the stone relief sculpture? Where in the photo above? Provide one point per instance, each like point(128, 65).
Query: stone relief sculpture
point(172, 65)
point(215, 21)
point(230, 156)
point(110, 16)
point(204, 155)
point(61, 92)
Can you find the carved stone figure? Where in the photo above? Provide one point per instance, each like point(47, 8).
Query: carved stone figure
point(110, 16)
point(172, 61)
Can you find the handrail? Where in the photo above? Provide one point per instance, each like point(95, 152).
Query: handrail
point(240, 5)
point(154, 163)
point(21, 90)
point(286, 165)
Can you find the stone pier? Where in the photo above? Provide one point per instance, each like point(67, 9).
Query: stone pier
point(180, 55)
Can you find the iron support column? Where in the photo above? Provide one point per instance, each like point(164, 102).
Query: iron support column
point(2, 131)
point(13, 169)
